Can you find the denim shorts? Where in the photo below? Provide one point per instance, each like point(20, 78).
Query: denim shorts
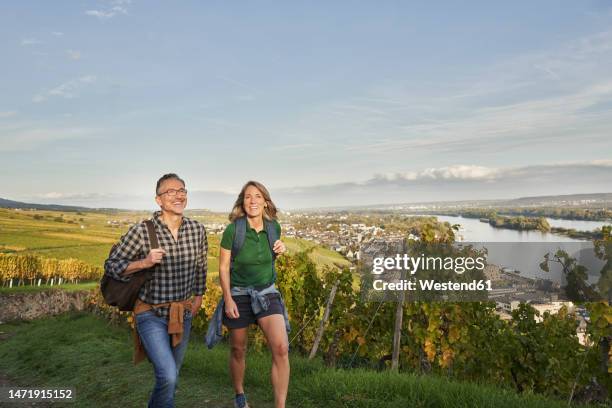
point(247, 317)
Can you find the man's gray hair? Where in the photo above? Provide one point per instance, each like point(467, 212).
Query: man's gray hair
point(169, 176)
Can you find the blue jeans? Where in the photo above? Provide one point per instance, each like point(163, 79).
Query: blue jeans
point(153, 331)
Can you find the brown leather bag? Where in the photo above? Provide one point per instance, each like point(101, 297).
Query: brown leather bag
point(124, 294)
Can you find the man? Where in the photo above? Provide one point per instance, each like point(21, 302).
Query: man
point(164, 309)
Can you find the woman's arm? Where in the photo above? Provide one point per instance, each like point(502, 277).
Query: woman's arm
point(231, 310)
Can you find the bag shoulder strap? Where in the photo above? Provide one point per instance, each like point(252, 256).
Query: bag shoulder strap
point(239, 235)
point(270, 227)
point(152, 234)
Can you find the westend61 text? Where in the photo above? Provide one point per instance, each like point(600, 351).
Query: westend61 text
point(428, 284)
point(413, 264)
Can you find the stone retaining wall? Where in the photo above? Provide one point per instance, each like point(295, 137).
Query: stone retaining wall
point(28, 306)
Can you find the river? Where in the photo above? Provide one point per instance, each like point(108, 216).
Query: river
point(524, 250)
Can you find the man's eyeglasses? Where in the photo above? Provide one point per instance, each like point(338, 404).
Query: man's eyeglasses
point(172, 192)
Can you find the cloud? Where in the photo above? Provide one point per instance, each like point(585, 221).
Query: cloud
point(73, 55)
point(54, 195)
point(27, 137)
point(553, 99)
point(453, 183)
point(92, 200)
point(115, 7)
point(67, 90)
point(235, 82)
point(30, 41)
point(100, 14)
point(7, 114)
point(299, 146)
point(545, 120)
point(457, 172)
point(215, 200)
point(471, 173)
point(57, 33)
point(549, 71)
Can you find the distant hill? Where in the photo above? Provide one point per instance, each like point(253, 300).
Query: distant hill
point(4, 203)
point(597, 200)
point(570, 199)
point(50, 207)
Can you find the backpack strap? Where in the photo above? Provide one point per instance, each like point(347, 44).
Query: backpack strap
point(272, 235)
point(152, 234)
point(239, 236)
point(270, 227)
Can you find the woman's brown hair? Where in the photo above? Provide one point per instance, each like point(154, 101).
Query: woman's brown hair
point(269, 207)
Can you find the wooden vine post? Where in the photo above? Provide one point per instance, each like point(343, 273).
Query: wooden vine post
point(321, 328)
point(399, 316)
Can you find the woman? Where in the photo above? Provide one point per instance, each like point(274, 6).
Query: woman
point(248, 287)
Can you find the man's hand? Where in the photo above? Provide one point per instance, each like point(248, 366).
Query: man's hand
point(154, 257)
point(197, 304)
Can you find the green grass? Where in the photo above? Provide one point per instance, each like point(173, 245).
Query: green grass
point(91, 254)
point(82, 351)
point(320, 255)
point(69, 287)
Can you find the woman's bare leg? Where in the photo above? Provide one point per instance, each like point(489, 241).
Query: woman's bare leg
point(237, 363)
point(273, 327)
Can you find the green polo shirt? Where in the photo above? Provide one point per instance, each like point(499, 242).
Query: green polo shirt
point(253, 264)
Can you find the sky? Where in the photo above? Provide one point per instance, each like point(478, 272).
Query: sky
point(326, 103)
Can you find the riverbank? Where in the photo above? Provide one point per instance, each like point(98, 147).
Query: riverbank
point(580, 235)
point(474, 230)
point(568, 214)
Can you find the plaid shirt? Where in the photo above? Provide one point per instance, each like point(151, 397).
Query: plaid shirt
point(182, 271)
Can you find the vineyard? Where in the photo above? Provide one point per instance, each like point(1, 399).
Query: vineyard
point(466, 341)
point(17, 270)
